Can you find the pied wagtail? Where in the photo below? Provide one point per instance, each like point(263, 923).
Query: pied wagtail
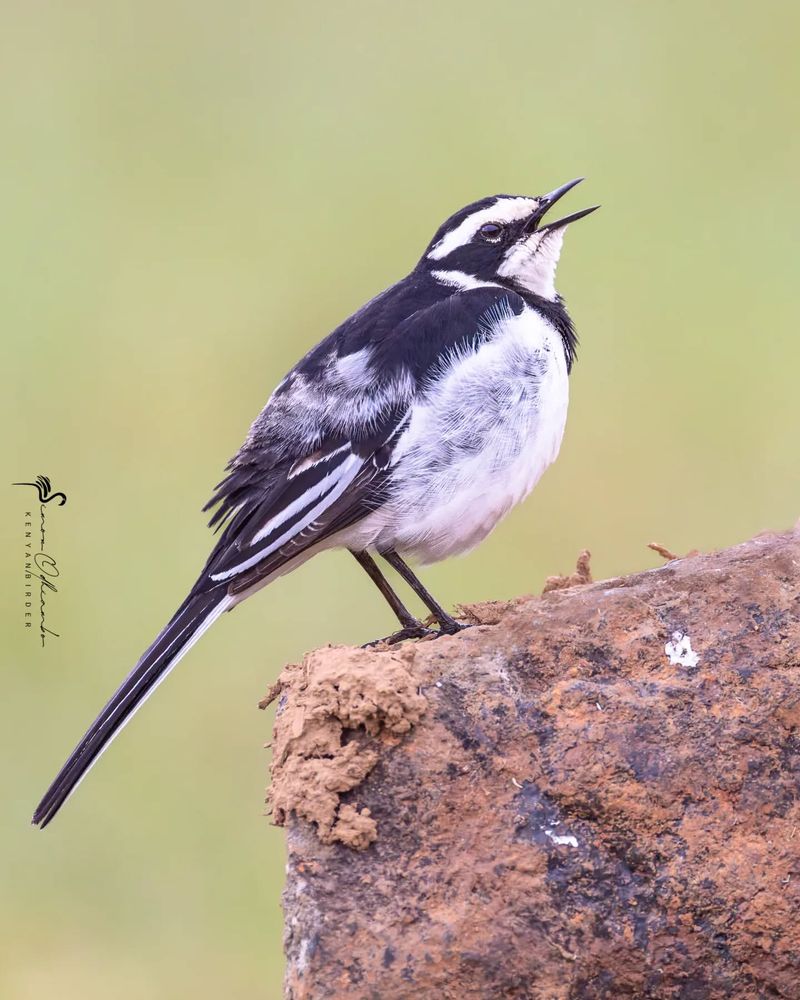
point(414, 427)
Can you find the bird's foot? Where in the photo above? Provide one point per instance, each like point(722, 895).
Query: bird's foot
point(447, 624)
point(452, 627)
point(417, 631)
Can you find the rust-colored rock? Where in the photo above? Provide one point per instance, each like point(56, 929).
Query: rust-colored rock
point(567, 808)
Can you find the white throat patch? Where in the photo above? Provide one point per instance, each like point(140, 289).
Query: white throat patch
point(532, 263)
point(503, 210)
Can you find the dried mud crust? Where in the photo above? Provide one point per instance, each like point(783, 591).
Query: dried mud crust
point(581, 575)
point(336, 694)
point(563, 811)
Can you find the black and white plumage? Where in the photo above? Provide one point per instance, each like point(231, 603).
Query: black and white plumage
point(413, 428)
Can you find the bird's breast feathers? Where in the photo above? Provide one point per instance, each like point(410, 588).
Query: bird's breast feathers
point(448, 420)
point(487, 423)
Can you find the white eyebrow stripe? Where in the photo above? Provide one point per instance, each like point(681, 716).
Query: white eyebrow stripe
point(503, 210)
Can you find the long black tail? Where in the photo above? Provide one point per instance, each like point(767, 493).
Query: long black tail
point(194, 616)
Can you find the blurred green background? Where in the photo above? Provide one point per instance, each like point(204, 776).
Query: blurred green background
point(196, 193)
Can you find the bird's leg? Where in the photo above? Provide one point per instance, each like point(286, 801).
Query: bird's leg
point(404, 616)
point(412, 627)
point(447, 623)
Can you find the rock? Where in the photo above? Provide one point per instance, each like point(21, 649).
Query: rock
point(555, 806)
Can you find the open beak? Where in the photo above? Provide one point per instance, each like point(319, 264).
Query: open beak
point(547, 201)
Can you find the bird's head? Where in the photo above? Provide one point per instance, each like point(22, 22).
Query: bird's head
point(503, 239)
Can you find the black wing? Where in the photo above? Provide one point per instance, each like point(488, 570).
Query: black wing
point(319, 457)
point(306, 502)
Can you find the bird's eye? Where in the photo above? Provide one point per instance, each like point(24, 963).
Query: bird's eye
point(491, 232)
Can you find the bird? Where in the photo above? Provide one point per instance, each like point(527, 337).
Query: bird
point(407, 433)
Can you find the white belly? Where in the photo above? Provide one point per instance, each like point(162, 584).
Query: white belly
point(478, 442)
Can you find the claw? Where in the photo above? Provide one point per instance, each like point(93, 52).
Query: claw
point(410, 632)
point(451, 627)
point(418, 632)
